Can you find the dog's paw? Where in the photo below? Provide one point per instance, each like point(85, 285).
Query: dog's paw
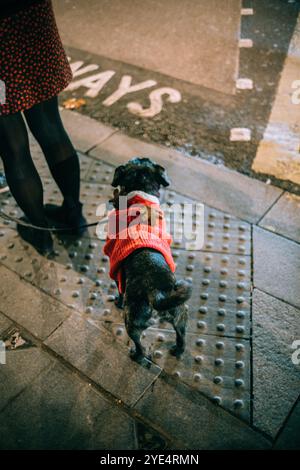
point(176, 351)
point(141, 359)
point(119, 301)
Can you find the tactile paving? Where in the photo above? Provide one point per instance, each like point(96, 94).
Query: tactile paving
point(220, 302)
point(223, 232)
point(217, 358)
point(217, 367)
point(93, 196)
point(99, 172)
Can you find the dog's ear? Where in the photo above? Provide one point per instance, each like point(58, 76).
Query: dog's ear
point(119, 174)
point(162, 176)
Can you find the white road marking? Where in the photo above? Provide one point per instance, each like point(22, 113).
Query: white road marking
point(246, 42)
point(78, 70)
point(156, 101)
point(243, 134)
point(278, 152)
point(247, 11)
point(296, 93)
point(244, 84)
point(96, 82)
point(238, 134)
point(125, 87)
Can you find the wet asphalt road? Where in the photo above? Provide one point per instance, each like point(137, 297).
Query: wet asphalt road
point(199, 124)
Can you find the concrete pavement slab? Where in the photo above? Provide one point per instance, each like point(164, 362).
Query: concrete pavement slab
point(217, 187)
point(28, 306)
point(59, 411)
point(147, 439)
point(276, 380)
point(284, 217)
point(194, 420)
point(21, 368)
point(276, 265)
point(5, 323)
point(84, 131)
point(96, 353)
point(290, 435)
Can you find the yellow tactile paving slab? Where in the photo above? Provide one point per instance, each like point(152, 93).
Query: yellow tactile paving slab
point(279, 152)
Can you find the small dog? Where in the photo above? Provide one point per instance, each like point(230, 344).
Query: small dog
point(144, 268)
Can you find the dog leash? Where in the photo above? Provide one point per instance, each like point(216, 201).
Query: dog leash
point(10, 218)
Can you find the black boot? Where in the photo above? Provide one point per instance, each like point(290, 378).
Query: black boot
point(68, 217)
point(41, 240)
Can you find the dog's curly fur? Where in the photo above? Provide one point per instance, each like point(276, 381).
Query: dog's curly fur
point(150, 284)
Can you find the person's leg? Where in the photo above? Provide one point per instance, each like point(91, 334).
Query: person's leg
point(46, 125)
point(3, 183)
point(22, 177)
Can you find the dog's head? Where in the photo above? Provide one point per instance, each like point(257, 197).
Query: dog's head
point(140, 174)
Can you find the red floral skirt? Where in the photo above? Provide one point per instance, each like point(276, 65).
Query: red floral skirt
point(33, 63)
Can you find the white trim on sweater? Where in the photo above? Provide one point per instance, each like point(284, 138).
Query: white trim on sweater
point(146, 196)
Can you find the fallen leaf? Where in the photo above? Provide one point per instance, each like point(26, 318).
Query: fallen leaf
point(74, 103)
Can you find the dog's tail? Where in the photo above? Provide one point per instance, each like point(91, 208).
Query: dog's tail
point(181, 292)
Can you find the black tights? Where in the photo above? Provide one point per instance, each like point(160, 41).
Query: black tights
point(22, 177)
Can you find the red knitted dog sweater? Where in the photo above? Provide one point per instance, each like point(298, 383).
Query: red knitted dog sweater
point(128, 231)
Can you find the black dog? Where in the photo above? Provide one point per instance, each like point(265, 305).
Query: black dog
point(150, 283)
